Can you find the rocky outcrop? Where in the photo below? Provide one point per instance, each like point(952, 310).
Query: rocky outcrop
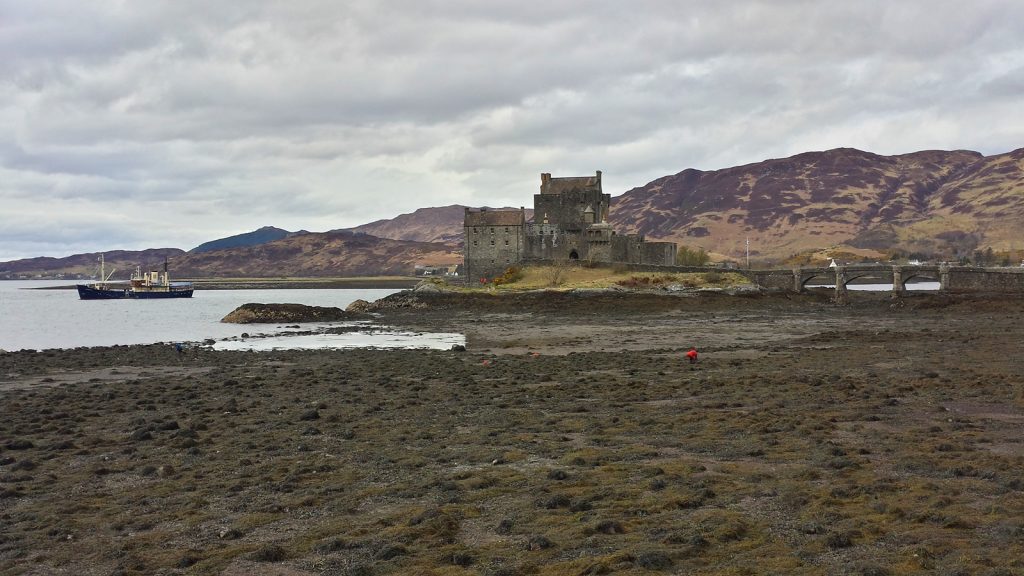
point(359, 306)
point(426, 294)
point(254, 313)
point(405, 299)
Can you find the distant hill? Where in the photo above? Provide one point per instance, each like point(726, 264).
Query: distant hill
point(313, 254)
point(81, 266)
point(439, 224)
point(254, 238)
point(946, 203)
point(932, 201)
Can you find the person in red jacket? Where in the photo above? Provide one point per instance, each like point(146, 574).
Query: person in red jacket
point(692, 355)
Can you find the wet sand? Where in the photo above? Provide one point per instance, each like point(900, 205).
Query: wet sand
point(571, 438)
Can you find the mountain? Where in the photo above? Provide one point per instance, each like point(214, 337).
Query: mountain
point(339, 253)
point(254, 238)
point(440, 224)
point(79, 266)
point(944, 202)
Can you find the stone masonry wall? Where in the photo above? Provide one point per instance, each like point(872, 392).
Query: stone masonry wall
point(490, 250)
point(964, 279)
point(662, 253)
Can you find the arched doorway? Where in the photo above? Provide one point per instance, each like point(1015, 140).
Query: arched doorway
point(574, 255)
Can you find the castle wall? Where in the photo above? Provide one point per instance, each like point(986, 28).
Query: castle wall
point(660, 253)
point(599, 251)
point(542, 241)
point(548, 242)
point(566, 209)
point(490, 250)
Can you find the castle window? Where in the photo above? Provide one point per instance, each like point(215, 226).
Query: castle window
point(506, 229)
point(506, 242)
point(492, 230)
point(475, 231)
point(474, 243)
point(492, 242)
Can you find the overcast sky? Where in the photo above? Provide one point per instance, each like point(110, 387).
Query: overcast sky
point(139, 124)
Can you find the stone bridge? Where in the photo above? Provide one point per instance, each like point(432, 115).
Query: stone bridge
point(950, 278)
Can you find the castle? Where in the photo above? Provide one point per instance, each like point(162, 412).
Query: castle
point(570, 222)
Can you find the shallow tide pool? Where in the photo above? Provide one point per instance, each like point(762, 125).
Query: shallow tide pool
point(384, 338)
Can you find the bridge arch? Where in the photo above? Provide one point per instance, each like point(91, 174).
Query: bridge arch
point(827, 277)
point(882, 276)
point(923, 275)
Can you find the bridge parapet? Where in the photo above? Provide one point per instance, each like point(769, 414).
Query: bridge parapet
point(971, 279)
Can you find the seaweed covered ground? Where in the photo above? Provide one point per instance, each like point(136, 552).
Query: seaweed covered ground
point(571, 438)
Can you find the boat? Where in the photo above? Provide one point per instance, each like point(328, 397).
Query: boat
point(153, 284)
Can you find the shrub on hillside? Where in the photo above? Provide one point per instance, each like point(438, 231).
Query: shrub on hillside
point(690, 257)
point(713, 277)
point(511, 275)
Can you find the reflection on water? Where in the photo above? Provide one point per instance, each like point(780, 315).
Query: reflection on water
point(386, 338)
point(913, 286)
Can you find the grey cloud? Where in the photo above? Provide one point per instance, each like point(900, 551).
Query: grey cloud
point(321, 114)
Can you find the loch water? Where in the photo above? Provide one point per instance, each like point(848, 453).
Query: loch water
point(34, 318)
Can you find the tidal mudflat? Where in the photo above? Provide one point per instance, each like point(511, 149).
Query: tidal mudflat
point(883, 437)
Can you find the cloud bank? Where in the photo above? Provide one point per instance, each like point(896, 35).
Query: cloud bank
point(166, 124)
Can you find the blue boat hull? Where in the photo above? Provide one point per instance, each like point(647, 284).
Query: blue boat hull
point(91, 293)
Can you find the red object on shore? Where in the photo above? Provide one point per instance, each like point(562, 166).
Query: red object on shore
point(692, 355)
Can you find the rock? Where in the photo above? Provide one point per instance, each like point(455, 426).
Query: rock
point(269, 553)
point(310, 415)
point(255, 313)
point(20, 444)
point(426, 286)
point(165, 471)
point(399, 300)
point(458, 348)
point(539, 542)
point(359, 306)
point(654, 560)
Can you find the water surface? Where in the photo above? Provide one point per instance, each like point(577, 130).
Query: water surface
point(41, 319)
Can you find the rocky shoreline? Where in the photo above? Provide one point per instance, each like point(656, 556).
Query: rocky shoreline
point(881, 437)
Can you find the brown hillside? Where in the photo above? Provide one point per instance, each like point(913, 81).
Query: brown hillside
point(312, 255)
point(121, 262)
point(924, 200)
point(986, 201)
point(440, 224)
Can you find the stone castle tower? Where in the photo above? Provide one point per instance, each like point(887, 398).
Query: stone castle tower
point(570, 222)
